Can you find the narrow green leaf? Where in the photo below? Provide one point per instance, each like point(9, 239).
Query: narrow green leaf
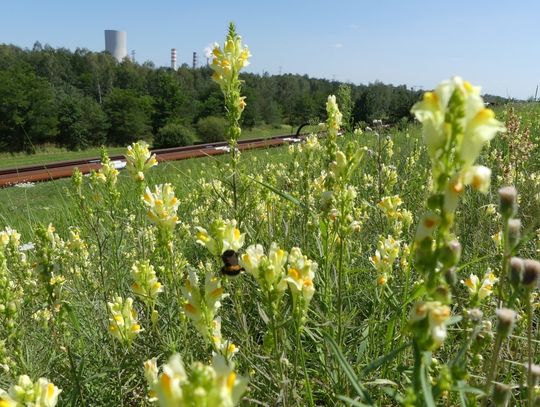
point(282, 194)
point(383, 359)
point(352, 402)
point(347, 368)
point(426, 386)
point(453, 320)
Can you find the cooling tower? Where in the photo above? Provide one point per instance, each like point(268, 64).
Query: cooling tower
point(116, 44)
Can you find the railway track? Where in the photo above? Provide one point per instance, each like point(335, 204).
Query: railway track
point(64, 169)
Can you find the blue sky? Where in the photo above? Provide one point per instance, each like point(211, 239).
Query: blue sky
point(494, 44)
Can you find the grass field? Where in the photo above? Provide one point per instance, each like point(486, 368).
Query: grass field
point(385, 318)
point(50, 154)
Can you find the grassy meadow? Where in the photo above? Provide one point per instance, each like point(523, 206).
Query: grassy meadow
point(351, 343)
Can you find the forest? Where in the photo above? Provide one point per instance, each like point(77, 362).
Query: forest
point(79, 99)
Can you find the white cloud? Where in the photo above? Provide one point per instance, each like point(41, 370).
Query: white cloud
point(338, 45)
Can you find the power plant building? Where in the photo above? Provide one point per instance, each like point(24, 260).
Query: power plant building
point(116, 44)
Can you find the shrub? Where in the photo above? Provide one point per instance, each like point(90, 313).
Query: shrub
point(211, 129)
point(174, 135)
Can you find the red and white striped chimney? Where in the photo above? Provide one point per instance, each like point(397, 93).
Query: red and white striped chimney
point(173, 58)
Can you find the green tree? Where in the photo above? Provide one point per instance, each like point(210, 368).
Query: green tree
point(174, 135)
point(129, 116)
point(81, 121)
point(212, 129)
point(27, 110)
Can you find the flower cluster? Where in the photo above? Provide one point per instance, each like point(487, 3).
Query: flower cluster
point(9, 237)
point(428, 320)
point(145, 283)
point(26, 393)
point(268, 270)
point(300, 275)
point(139, 160)
point(334, 115)
point(226, 64)
point(480, 289)
point(202, 305)
point(399, 217)
point(277, 270)
point(222, 236)
point(229, 60)
point(123, 323)
point(162, 206)
point(456, 126)
point(215, 385)
point(385, 256)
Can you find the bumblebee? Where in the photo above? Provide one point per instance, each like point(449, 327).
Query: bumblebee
point(230, 263)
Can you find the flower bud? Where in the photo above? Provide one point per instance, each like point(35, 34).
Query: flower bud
point(514, 232)
point(450, 253)
point(516, 270)
point(531, 271)
point(507, 319)
point(501, 395)
point(475, 315)
point(508, 201)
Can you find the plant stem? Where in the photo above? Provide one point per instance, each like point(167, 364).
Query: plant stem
point(530, 383)
point(492, 372)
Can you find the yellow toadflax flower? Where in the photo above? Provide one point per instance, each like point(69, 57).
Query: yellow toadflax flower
point(268, 270)
point(145, 283)
point(139, 160)
point(481, 289)
point(300, 276)
point(478, 124)
point(216, 385)
point(334, 115)
point(26, 393)
point(123, 323)
point(385, 257)
point(201, 307)
point(9, 236)
point(223, 236)
point(227, 61)
point(162, 206)
point(434, 333)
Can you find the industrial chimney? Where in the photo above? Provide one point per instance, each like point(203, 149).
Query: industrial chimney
point(116, 44)
point(194, 60)
point(173, 59)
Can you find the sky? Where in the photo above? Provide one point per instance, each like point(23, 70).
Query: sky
point(494, 44)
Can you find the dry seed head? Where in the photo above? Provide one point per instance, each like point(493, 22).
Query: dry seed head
point(501, 395)
point(508, 201)
point(475, 315)
point(531, 272)
point(507, 319)
point(516, 270)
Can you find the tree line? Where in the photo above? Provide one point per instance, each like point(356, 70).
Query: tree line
point(77, 99)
